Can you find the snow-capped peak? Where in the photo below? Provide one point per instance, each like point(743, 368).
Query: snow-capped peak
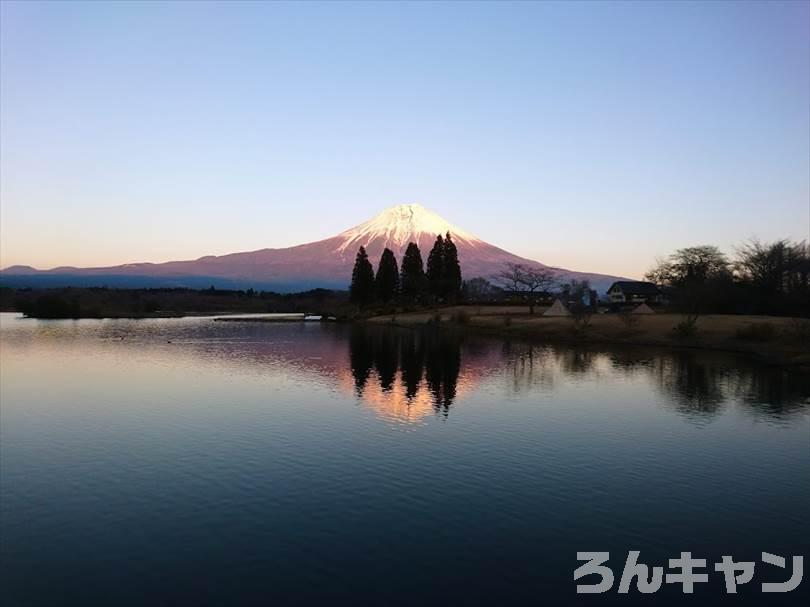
point(401, 224)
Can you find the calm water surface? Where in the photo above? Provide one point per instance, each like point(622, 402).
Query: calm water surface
point(192, 462)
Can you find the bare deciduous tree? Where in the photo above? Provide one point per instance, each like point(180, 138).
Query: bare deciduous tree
point(695, 265)
point(526, 279)
point(699, 275)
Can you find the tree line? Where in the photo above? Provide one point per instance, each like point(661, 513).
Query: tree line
point(758, 278)
point(103, 302)
point(761, 278)
point(440, 282)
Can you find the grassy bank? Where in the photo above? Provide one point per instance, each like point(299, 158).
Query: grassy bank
point(774, 339)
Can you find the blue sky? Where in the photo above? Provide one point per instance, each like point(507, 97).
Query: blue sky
point(594, 136)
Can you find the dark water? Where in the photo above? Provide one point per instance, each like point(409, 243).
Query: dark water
point(189, 462)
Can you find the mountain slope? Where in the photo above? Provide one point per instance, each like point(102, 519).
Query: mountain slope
point(325, 263)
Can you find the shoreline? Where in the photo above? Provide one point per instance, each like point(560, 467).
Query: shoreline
point(606, 330)
point(714, 333)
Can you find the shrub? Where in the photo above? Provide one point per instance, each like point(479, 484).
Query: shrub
point(461, 317)
point(799, 330)
point(756, 331)
point(687, 327)
point(434, 319)
point(581, 315)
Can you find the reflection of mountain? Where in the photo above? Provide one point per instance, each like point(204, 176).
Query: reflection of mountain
point(407, 375)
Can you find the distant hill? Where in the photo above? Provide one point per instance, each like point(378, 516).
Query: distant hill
point(325, 263)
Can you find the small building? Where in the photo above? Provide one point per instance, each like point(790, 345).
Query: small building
point(642, 309)
point(540, 298)
point(557, 309)
point(630, 291)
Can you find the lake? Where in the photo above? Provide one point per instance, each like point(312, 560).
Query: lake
point(193, 462)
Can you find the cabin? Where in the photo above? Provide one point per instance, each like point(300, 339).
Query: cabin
point(630, 291)
point(557, 309)
point(540, 298)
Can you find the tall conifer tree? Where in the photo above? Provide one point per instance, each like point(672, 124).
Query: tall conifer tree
point(413, 282)
point(435, 268)
point(452, 270)
point(361, 290)
point(386, 282)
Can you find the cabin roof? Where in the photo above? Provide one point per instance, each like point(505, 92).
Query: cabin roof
point(633, 287)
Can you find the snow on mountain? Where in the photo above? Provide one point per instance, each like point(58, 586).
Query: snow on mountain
point(396, 227)
point(326, 263)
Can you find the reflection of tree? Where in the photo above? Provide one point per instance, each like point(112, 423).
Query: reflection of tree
point(545, 366)
point(413, 364)
point(442, 366)
point(701, 384)
point(696, 389)
point(530, 366)
point(771, 391)
point(576, 361)
point(632, 361)
point(698, 384)
point(414, 353)
point(361, 357)
point(386, 348)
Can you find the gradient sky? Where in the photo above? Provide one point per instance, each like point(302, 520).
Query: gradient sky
point(593, 136)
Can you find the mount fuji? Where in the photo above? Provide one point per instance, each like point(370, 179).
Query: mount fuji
point(325, 263)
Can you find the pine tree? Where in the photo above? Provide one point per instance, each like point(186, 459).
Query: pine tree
point(452, 270)
point(435, 268)
point(386, 283)
point(361, 290)
point(413, 281)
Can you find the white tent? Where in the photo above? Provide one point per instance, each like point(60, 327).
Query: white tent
point(643, 309)
point(557, 309)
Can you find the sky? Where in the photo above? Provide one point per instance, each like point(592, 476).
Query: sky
point(591, 136)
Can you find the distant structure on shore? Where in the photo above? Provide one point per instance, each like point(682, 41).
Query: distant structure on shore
point(627, 291)
point(557, 309)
